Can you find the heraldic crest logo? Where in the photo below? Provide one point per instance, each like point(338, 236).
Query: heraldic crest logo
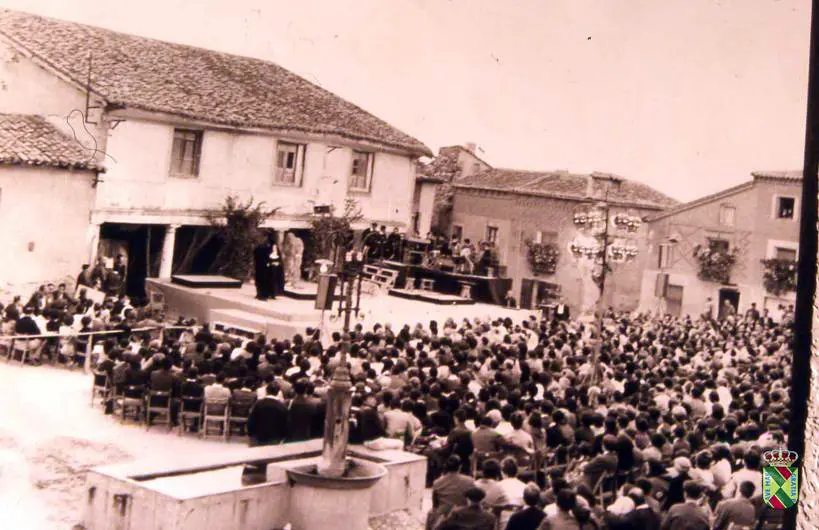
point(780, 479)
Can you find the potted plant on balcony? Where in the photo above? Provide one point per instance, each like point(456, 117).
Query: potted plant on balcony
point(779, 275)
point(715, 263)
point(542, 257)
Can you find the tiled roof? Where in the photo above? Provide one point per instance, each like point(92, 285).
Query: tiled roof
point(788, 176)
point(562, 184)
point(195, 83)
point(778, 175)
point(32, 141)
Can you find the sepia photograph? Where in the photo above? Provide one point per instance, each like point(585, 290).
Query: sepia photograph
point(409, 265)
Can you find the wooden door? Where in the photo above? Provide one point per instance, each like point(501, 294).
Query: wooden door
point(673, 298)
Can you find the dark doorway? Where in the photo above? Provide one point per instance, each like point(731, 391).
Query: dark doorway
point(535, 293)
point(732, 297)
point(141, 245)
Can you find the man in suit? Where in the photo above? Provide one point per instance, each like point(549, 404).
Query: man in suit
point(448, 491)
point(531, 516)
point(470, 517)
point(688, 515)
point(261, 257)
point(738, 511)
point(267, 424)
point(562, 312)
point(301, 414)
point(642, 517)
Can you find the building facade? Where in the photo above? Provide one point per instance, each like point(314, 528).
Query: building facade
point(518, 209)
point(42, 240)
point(752, 222)
point(179, 129)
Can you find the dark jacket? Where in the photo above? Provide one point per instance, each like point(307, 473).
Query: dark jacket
point(300, 418)
point(267, 423)
point(642, 518)
point(366, 425)
point(526, 519)
point(468, 518)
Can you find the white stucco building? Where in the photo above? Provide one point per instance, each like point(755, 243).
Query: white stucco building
point(178, 129)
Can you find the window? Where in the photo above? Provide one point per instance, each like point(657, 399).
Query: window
point(727, 215)
point(492, 234)
point(545, 237)
point(785, 253)
point(785, 207)
point(665, 255)
point(186, 152)
point(718, 245)
point(289, 163)
point(362, 170)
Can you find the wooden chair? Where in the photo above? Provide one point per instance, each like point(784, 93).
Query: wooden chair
point(27, 348)
point(190, 413)
point(215, 412)
point(605, 491)
point(238, 415)
point(130, 403)
point(100, 388)
point(158, 408)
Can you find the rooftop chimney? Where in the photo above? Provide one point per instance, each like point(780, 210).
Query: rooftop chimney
point(589, 186)
point(471, 147)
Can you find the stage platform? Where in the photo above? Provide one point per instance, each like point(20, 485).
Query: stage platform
point(431, 297)
point(237, 308)
point(302, 291)
point(203, 281)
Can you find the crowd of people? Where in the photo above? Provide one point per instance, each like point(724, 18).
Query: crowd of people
point(518, 433)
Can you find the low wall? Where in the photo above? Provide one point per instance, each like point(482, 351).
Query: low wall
point(207, 494)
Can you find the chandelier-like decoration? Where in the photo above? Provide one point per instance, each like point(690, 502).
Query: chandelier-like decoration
point(624, 221)
point(599, 241)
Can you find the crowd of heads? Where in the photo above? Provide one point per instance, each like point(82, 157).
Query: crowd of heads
point(679, 409)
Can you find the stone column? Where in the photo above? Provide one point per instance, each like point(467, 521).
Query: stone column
point(93, 242)
point(168, 244)
point(337, 421)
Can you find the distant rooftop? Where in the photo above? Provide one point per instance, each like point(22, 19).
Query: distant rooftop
point(563, 184)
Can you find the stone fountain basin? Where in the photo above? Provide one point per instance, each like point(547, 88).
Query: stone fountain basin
point(359, 474)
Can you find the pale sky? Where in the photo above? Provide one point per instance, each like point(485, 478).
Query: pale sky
point(688, 96)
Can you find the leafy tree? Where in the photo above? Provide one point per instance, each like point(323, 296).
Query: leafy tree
point(331, 232)
point(237, 226)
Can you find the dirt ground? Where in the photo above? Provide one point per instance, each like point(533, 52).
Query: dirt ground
point(50, 436)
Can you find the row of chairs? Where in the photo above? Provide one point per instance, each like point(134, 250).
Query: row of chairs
point(225, 417)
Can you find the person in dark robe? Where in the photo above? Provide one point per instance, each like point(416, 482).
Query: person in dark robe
point(276, 268)
point(261, 256)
